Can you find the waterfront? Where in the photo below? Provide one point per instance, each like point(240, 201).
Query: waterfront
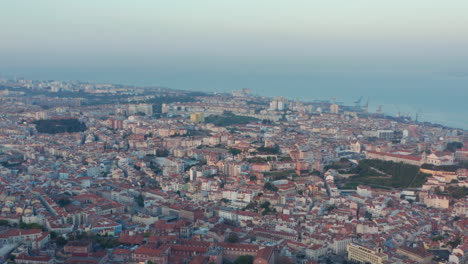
point(436, 97)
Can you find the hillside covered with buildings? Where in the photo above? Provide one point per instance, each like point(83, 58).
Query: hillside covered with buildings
point(103, 173)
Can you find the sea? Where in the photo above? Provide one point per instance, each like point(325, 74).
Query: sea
point(436, 97)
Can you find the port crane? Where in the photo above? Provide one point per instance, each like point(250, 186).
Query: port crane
point(358, 102)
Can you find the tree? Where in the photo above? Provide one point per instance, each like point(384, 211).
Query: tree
point(266, 208)
point(390, 203)
point(229, 119)
point(265, 205)
point(457, 192)
point(387, 173)
point(256, 160)
point(246, 259)
point(368, 215)
point(250, 205)
point(154, 167)
point(331, 208)
point(64, 202)
point(233, 238)
point(105, 241)
point(273, 150)
point(162, 153)
point(453, 146)
point(235, 151)
point(270, 187)
point(54, 126)
point(61, 241)
point(23, 225)
point(455, 242)
point(140, 200)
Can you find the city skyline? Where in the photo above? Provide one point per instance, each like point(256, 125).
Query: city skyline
point(408, 57)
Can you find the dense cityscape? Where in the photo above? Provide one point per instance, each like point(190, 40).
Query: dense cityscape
point(104, 173)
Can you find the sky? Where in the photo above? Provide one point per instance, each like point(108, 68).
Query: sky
point(262, 37)
point(407, 55)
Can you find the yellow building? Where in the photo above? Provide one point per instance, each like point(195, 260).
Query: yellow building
point(364, 254)
point(419, 255)
point(197, 117)
point(334, 109)
point(437, 201)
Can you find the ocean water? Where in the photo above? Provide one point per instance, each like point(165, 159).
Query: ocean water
point(436, 97)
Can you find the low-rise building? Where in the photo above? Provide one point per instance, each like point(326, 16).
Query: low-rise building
point(365, 254)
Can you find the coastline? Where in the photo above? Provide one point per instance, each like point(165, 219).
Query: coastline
point(439, 106)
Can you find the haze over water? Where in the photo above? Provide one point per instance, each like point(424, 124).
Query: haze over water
point(408, 56)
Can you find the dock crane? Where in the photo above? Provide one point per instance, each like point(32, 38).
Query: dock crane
point(379, 110)
point(398, 108)
point(418, 115)
point(358, 102)
point(366, 106)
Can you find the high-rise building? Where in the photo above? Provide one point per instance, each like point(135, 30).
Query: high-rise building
point(279, 104)
point(41, 115)
point(241, 93)
point(146, 109)
point(334, 109)
point(115, 123)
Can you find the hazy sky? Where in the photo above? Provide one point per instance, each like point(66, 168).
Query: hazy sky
point(248, 35)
